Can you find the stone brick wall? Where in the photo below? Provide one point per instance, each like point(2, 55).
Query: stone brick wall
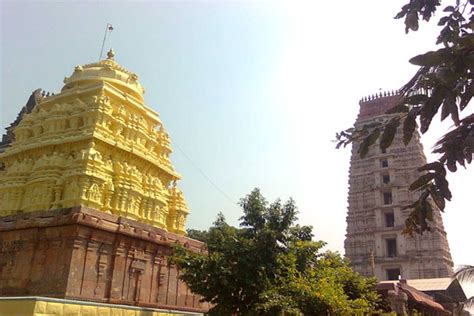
point(84, 254)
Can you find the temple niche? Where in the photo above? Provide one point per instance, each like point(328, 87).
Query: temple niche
point(90, 206)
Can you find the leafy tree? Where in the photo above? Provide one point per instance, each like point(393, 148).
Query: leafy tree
point(270, 265)
point(200, 235)
point(443, 83)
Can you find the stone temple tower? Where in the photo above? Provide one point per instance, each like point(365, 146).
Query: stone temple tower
point(378, 191)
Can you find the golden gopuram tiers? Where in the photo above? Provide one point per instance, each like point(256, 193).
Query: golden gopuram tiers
point(89, 203)
point(95, 144)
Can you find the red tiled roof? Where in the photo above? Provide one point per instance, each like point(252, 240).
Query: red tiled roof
point(422, 298)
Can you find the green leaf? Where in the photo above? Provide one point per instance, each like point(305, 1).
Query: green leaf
point(443, 20)
point(422, 181)
point(426, 59)
point(450, 104)
point(403, 12)
point(438, 199)
point(416, 99)
point(468, 153)
point(437, 166)
point(363, 149)
point(409, 126)
point(451, 164)
point(466, 96)
point(368, 141)
point(428, 211)
point(454, 113)
point(444, 111)
point(411, 21)
point(443, 186)
point(389, 133)
point(449, 8)
point(429, 109)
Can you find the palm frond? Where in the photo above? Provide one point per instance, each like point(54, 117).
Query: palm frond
point(465, 273)
point(469, 302)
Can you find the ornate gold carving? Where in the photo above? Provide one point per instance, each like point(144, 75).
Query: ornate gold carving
point(90, 146)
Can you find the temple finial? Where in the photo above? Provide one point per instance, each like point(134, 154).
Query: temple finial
point(111, 54)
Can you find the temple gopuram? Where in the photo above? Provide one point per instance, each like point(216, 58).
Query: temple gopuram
point(378, 193)
point(89, 203)
point(414, 272)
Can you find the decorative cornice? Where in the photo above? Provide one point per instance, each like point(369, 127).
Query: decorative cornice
point(97, 219)
point(379, 95)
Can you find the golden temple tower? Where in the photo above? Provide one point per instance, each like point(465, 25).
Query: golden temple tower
point(89, 207)
point(95, 144)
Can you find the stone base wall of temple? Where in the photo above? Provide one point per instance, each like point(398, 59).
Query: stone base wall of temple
point(83, 254)
point(44, 306)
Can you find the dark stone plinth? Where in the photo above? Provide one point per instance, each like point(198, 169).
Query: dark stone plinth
point(84, 254)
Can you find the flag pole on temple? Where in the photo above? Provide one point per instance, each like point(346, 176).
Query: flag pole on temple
point(108, 29)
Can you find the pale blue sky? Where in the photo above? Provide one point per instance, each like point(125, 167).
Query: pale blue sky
point(252, 92)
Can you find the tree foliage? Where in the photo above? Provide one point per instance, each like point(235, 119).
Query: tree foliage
point(269, 265)
point(443, 84)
